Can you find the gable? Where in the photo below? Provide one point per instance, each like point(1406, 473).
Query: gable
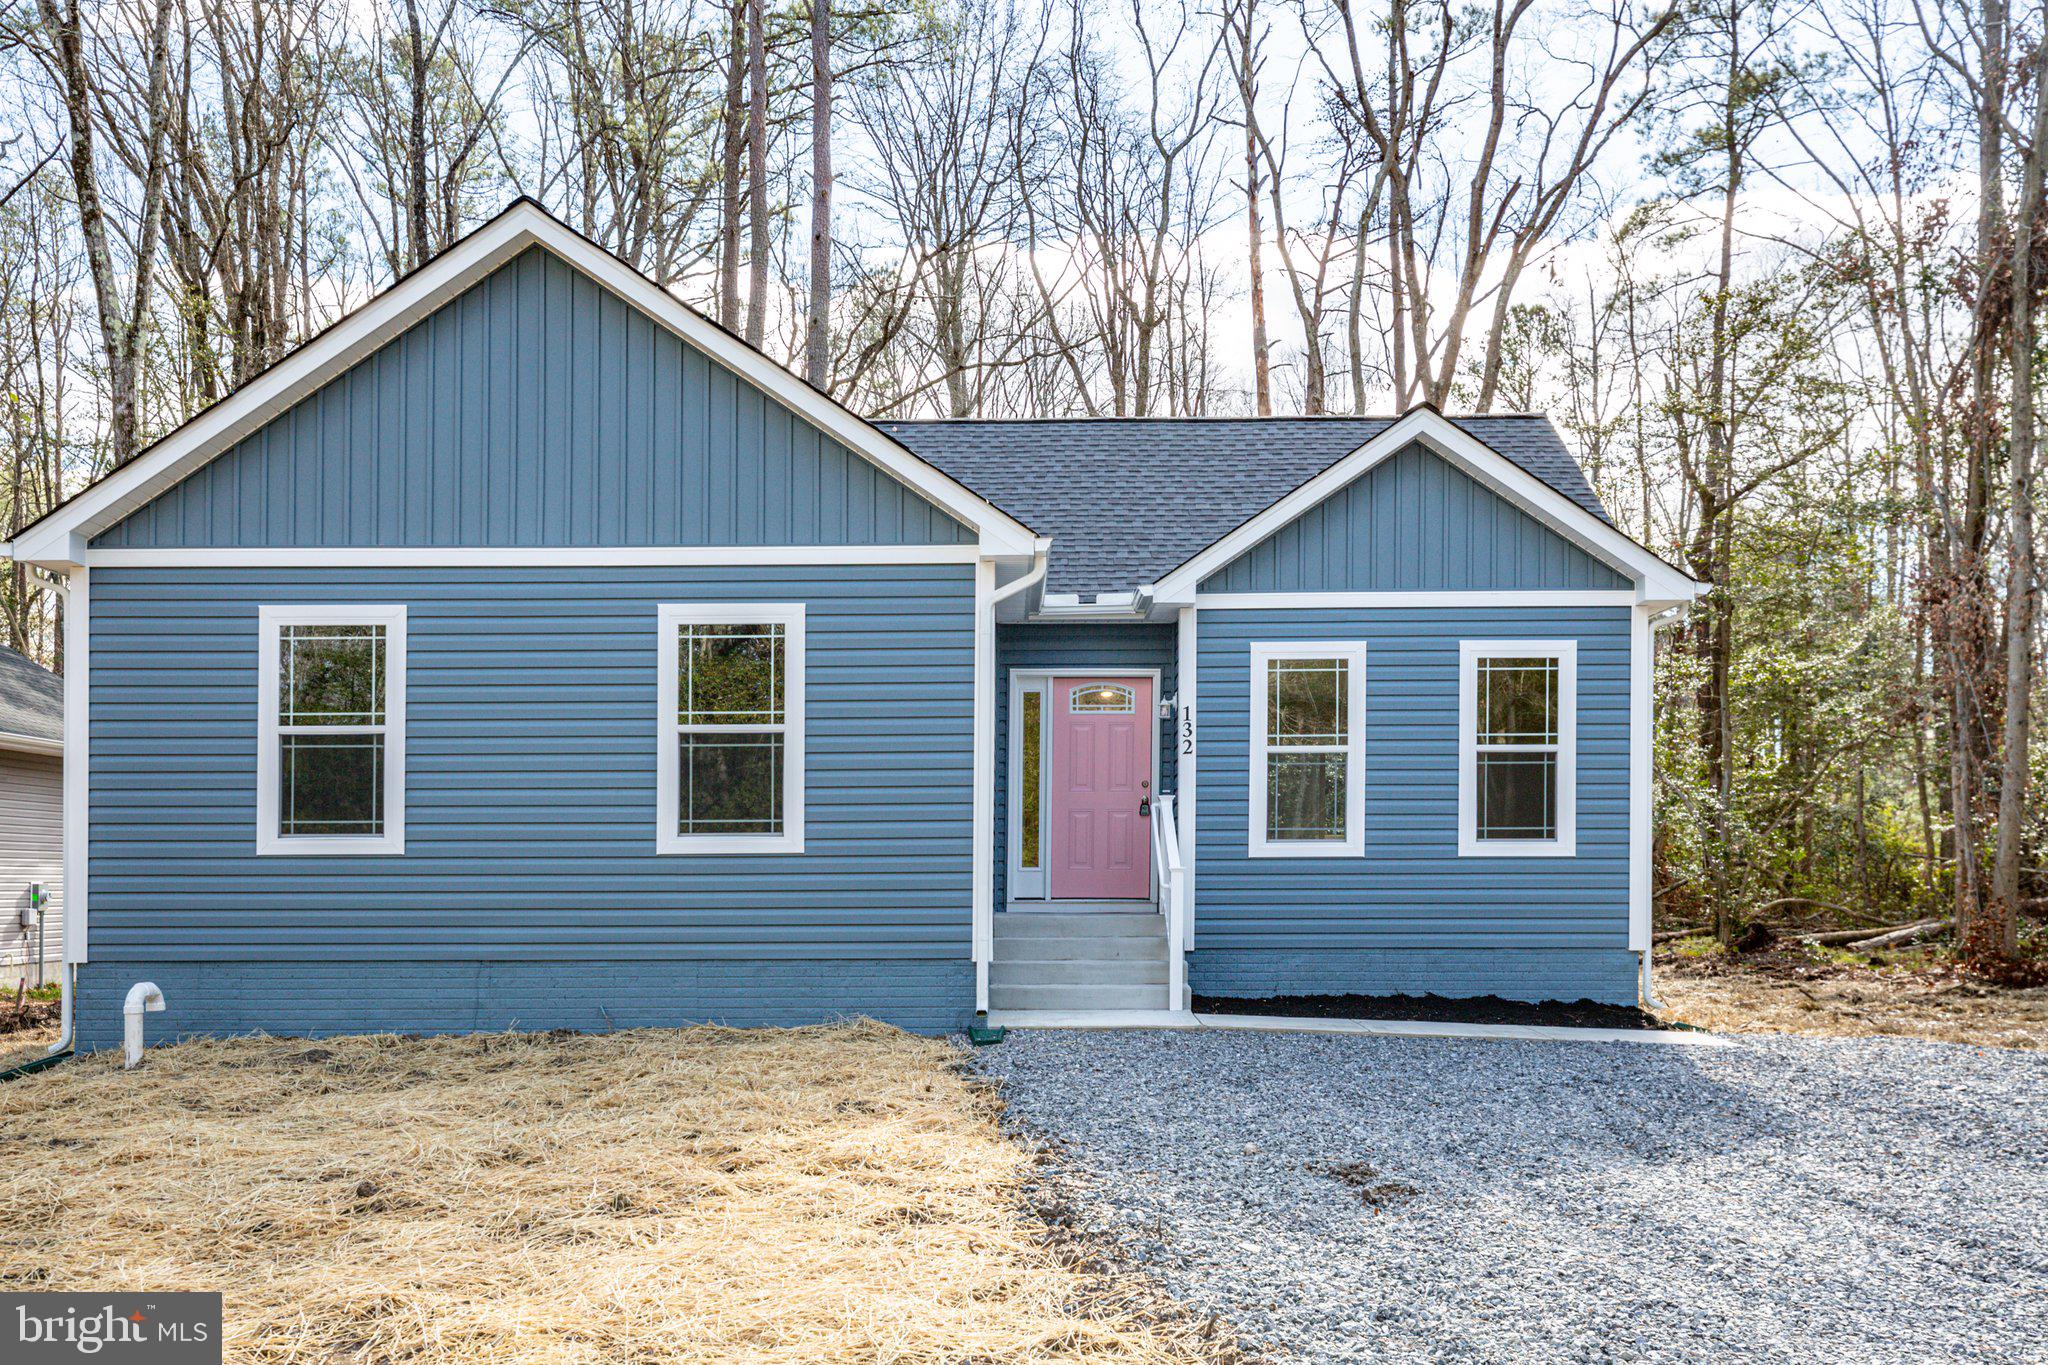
point(536, 408)
point(1414, 523)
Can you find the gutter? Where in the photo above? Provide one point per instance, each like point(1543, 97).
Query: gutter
point(1668, 618)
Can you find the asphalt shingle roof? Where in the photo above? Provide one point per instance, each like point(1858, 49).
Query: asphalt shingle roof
point(31, 699)
point(1127, 500)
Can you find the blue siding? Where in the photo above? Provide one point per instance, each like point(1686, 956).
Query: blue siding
point(1093, 646)
point(530, 790)
point(1411, 910)
point(1415, 522)
point(537, 408)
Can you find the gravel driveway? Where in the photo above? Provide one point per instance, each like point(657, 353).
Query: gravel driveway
point(1791, 1199)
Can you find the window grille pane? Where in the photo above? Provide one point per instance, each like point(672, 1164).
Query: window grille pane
point(730, 675)
point(1031, 779)
point(1307, 701)
point(1305, 796)
point(331, 784)
point(331, 675)
point(1517, 795)
point(1518, 701)
point(730, 784)
point(1102, 697)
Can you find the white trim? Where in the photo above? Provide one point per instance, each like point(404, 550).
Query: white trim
point(1291, 601)
point(1013, 784)
point(1565, 845)
point(55, 538)
point(668, 729)
point(77, 762)
point(1187, 758)
point(30, 744)
point(1026, 883)
point(982, 803)
point(685, 556)
point(1656, 580)
point(270, 623)
point(1641, 748)
point(1264, 652)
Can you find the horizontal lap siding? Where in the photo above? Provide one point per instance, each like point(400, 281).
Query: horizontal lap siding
point(1411, 894)
point(31, 850)
point(537, 409)
point(1094, 647)
point(531, 774)
point(1414, 523)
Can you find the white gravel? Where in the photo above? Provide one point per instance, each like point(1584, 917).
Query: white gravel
point(1786, 1199)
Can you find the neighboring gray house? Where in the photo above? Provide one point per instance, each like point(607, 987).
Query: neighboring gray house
point(525, 650)
point(31, 821)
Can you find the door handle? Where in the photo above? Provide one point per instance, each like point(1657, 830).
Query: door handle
point(1145, 806)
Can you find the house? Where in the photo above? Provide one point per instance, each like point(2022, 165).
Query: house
point(525, 650)
point(31, 821)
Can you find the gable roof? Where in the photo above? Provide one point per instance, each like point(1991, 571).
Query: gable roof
point(59, 536)
point(31, 705)
point(1127, 500)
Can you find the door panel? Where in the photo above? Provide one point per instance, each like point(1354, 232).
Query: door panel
point(1100, 843)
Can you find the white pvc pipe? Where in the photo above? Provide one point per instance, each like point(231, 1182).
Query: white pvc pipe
point(1650, 1001)
point(65, 1029)
point(143, 995)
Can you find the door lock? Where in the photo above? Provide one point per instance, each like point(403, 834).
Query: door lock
point(1145, 806)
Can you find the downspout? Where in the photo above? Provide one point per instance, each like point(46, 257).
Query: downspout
point(66, 1007)
point(1675, 616)
point(1028, 581)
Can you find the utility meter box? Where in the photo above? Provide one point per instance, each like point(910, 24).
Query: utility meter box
point(32, 913)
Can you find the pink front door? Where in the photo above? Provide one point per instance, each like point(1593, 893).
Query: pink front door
point(1098, 817)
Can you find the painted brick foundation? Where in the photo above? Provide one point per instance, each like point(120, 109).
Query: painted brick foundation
point(1604, 974)
point(314, 998)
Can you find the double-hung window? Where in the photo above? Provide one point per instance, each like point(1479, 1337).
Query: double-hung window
point(730, 773)
point(1517, 748)
point(1307, 793)
point(330, 765)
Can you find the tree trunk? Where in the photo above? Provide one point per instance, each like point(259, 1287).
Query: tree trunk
point(1996, 935)
point(757, 171)
point(416, 141)
point(818, 343)
point(732, 150)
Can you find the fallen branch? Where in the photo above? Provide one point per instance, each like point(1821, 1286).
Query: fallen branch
point(1899, 936)
point(1671, 935)
point(1837, 936)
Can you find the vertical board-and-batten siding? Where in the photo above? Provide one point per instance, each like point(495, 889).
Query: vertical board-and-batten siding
point(530, 812)
point(536, 409)
point(1064, 647)
point(31, 851)
point(1414, 523)
point(1411, 916)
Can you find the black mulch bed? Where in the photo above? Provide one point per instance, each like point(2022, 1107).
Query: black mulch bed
point(1483, 1009)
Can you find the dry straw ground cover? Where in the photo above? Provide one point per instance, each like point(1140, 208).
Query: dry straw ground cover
point(833, 1194)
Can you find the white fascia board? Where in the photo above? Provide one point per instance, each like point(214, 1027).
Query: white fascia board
point(1308, 601)
point(51, 541)
point(1656, 581)
point(597, 556)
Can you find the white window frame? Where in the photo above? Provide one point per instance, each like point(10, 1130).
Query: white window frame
point(1352, 845)
point(670, 617)
point(1566, 653)
point(271, 621)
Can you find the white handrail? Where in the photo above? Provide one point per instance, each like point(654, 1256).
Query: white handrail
point(1172, 878)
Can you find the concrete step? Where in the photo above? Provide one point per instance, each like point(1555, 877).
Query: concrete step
point(1151, 949)
point(1035, 925)
point(1075, 997)
point(1070, 972)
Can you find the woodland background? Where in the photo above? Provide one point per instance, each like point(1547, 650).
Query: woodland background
point(1773, 267)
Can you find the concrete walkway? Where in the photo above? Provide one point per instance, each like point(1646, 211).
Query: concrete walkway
point(1377, 1028)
